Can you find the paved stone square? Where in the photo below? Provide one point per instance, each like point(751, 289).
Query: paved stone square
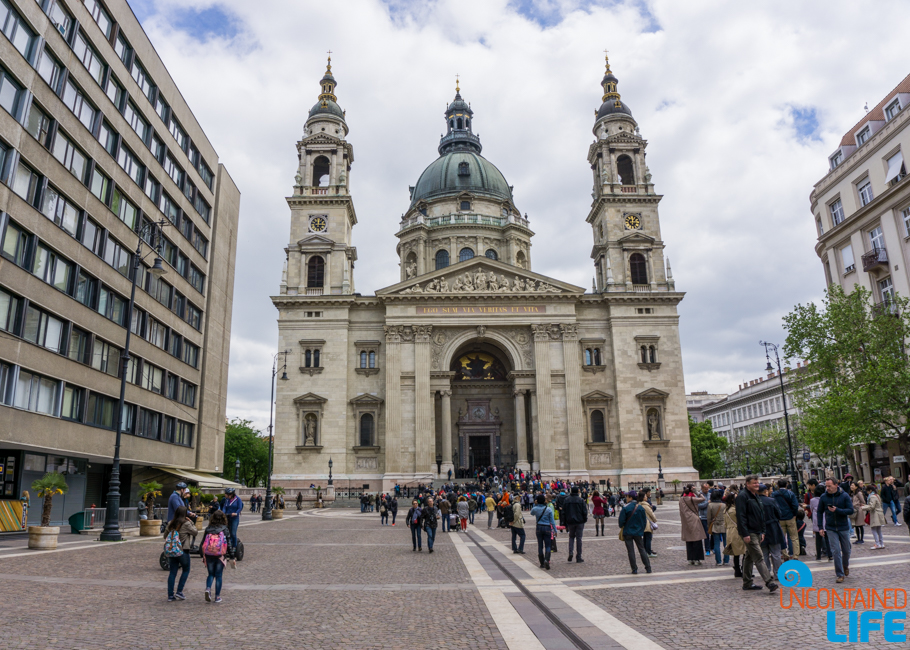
point(336, 578)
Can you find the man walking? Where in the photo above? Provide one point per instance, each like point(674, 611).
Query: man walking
point(518, 527)
point(890, 500)
point(835, 508)
point(231, 506)
point(750, 524)
point(788, 505)
point(774, 539)
point(632, 524)
point(576, 513)
point(490, 505)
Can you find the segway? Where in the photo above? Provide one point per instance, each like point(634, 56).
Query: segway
point(163, 559)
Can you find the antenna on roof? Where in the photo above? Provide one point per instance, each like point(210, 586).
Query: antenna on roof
point(866, 107)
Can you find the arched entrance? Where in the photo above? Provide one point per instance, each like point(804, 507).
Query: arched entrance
point(484, 412)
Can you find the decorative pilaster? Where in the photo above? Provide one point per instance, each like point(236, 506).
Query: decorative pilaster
point(547, 456)
point(535, 432)
point(446, 416)
point(393, 399)
point(424, 456)
point(421, 256)
point(521, 431)
point(572, 360)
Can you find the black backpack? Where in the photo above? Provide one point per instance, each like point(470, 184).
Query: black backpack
point(508, 514)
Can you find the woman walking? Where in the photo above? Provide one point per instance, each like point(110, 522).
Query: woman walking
point(413, 521)
point(717, 527)
point(383, 513)
point(463, 512)
point(597, 511)
point(859, 515)
point(177, 537)
point(215, 550)
point(735, 544)
point(693, 533)
point(546, 525)
point(876, 514)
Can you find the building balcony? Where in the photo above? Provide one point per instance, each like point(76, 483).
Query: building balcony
point(875, 257)
point(629, 189)
point(460, 219)
point(314, 291)
point(641, 288)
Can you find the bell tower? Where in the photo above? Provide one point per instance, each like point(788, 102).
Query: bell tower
point(320, 257)
point(628, 250)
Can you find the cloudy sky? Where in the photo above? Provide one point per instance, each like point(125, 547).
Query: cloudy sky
point(741, 104)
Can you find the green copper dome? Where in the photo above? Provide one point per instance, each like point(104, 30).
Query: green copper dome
point(461, 171)
point(327, 106)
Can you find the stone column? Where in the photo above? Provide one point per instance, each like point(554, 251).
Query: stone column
point(446, 417)
point(653, 280)
point(521, 432)
point(535, 432)
point(573, 399)
point(333, 170)
point(393, 400)
point(547, 458)
point(308, 169)
point(421, 256)
point(424, 456)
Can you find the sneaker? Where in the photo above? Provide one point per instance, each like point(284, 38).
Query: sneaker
point(579, 561)
point(171, 599)
point(896, 523)
point(570, 558)
point(647, 570)
point(634, 572)
point(859, 541)
point(521, 552)
point(217, 599)
point(773, 587)
point(179, 596)
point(752, 588)
point(652, 554)
point(208, 596)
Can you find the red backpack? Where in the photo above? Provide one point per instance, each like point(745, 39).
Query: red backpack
point(215, 544)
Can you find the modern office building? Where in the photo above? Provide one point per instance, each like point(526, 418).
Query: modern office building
point(96, 144)
point(861, 209)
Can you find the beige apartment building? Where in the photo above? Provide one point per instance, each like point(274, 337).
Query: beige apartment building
point(96, 142)
point(862, 213)
point(472, 358)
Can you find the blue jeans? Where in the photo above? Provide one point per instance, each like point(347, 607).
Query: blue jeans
point(543, 542)
point(445, 522)
point(471, 516)
point(394, 514)
point(839, 543)
point(720, 543)
point(384, 519)
point(183, 563)
point(431, 536)
point(520, 534)
point(490, 514)
point(233, 522)
point(415, 536)
point(893, 506)
point(704, 525)
point(216, 568)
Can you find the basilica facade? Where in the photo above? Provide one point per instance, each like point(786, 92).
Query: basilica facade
point(472, 358)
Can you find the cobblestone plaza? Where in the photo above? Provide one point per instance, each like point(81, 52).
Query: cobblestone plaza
point(336, 578)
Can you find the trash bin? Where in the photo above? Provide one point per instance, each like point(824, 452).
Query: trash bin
point(77, 522)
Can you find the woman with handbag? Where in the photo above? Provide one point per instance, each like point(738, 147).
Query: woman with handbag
point(735, 545)
point(859, 516)
point(546, 524)
point(597, 511)
point(693, 533)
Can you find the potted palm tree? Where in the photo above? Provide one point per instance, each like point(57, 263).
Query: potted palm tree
point(194, 497)
point(278, 511)
point(148, 491)
point(45, 535)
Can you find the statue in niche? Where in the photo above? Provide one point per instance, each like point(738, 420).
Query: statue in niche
point(309, 430)
point(298, 179)
point(411, 270)
point(653, 425)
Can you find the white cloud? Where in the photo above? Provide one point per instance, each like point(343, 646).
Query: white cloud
point(712, 90)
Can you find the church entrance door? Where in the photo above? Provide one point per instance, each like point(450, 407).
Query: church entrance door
point(480, 451)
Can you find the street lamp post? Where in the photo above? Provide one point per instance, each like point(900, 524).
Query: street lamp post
point(267, 510)
point(794, 478)
point(330, 470)
point(152, 230)
point(660, 469)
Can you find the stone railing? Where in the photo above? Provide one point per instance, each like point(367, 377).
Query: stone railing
point(459, 219)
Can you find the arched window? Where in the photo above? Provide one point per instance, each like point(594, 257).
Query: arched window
point(652, 354)
point(316, 359)
point(491, 254)
point(638, 268)
point(467, 123)
point(464, 169)
point(308, 359)
point(366, 430)
point(460, 123)
point(589, 359)
point(442, 259)
point(315, 272)
point(598, 430)
point(644, 354)
point(624, 167)
point(520, 260)
point(451, 124)
point(321, 171)
point(372, 359)
point(465, 255)
point(597, 361)
point(363, 359)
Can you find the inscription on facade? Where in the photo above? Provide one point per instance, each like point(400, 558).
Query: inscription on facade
point(487, 311)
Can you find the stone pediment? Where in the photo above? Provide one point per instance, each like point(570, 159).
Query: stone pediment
point(321, 138)
point(596, 396)
point(316, 241)
point(481, 275)
point(310, 399)
point(366, 399)
point(637, 238)
point(652, 393)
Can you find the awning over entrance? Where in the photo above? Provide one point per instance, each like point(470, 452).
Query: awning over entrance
point(203, 480)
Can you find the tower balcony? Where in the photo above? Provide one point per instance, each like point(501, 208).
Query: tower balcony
point(463, 219)
point(874, 258)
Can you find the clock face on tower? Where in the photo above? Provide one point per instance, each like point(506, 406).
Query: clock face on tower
point(632, 222)
point(317, 224)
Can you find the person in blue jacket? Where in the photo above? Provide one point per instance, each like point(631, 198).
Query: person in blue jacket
point(834, 509)
point(176, 500)
point(546, 526)
point(231, 506)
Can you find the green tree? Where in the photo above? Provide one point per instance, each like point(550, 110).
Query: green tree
point(47, 486)
point(707, 448)
point(856, 388)
point(243, 441)
point(766, 443)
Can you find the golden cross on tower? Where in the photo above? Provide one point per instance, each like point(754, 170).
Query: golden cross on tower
point(457, 89)
point(607, 59)
point(330, 53)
